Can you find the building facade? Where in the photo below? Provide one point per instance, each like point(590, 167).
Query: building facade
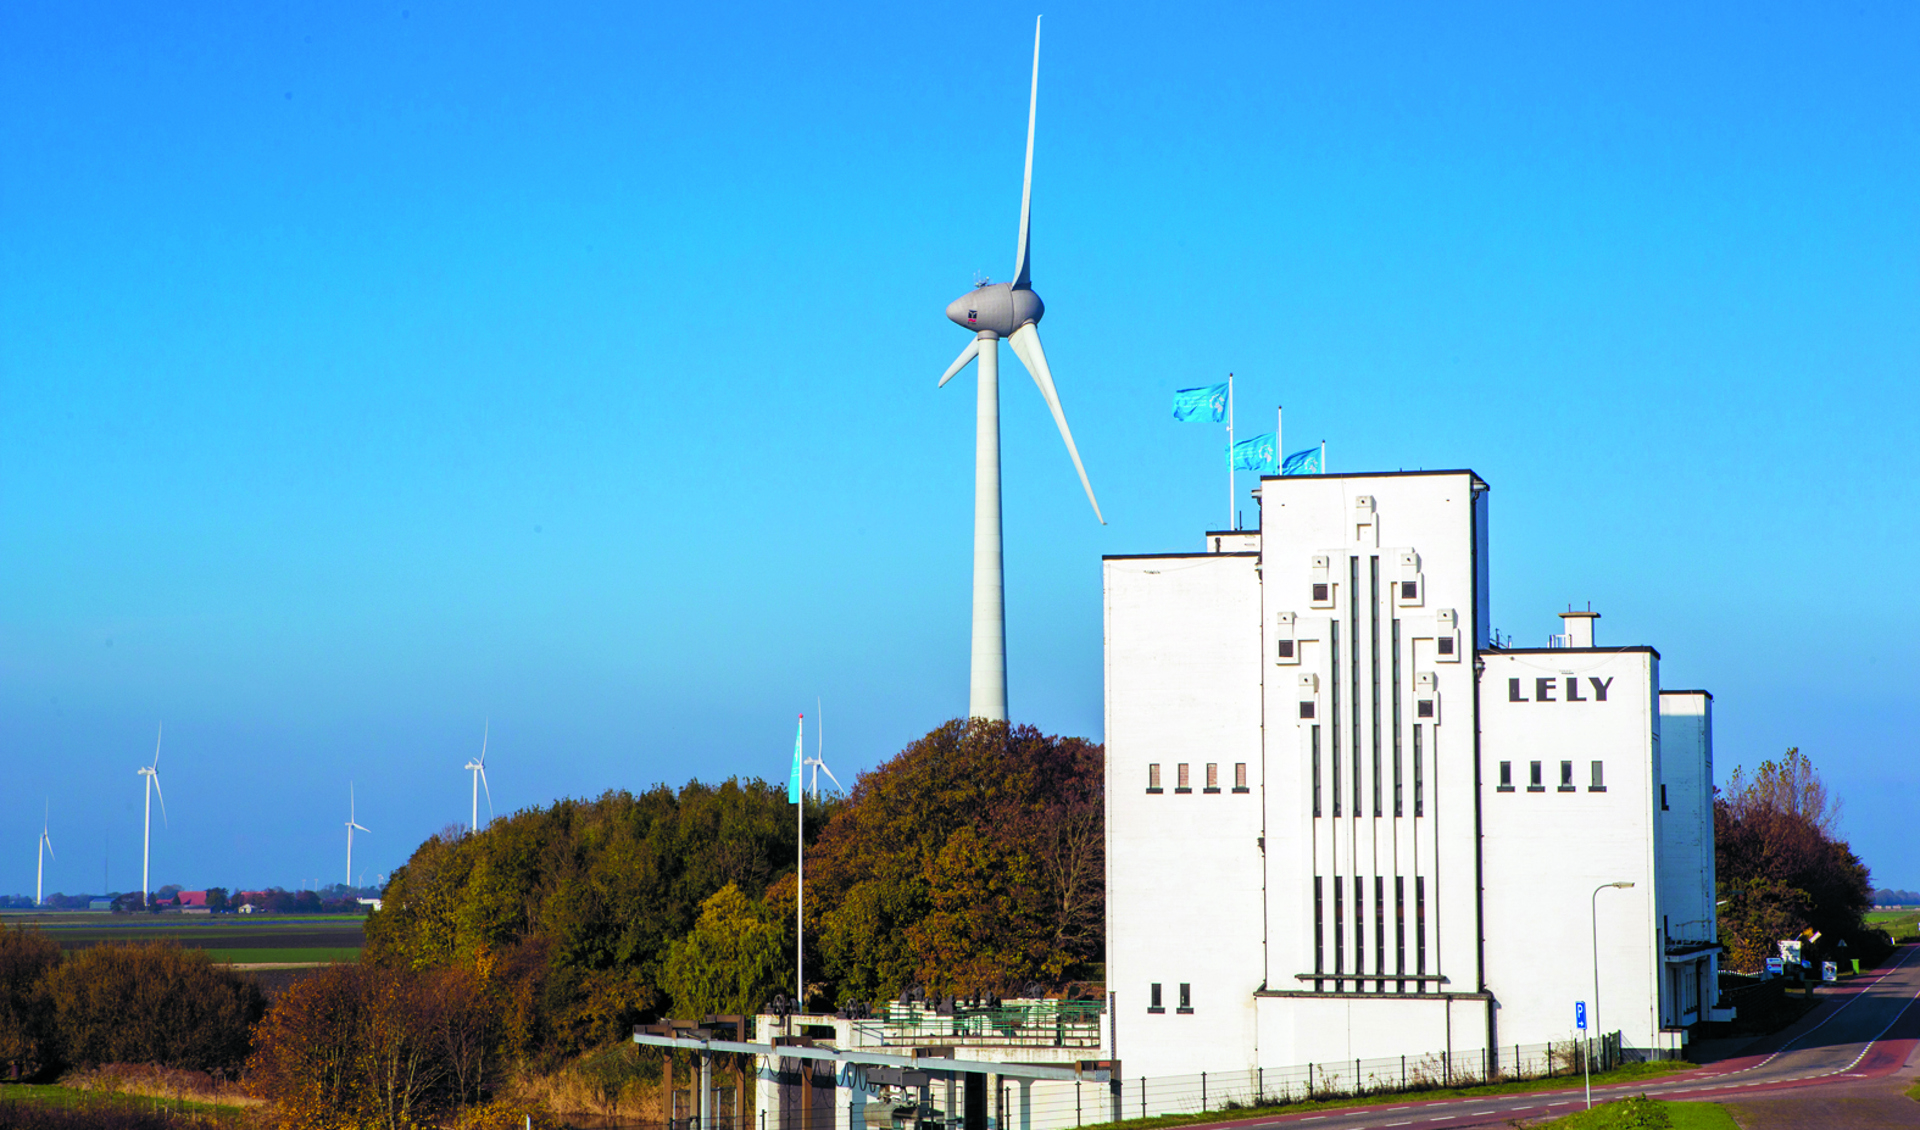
point(1345, 823)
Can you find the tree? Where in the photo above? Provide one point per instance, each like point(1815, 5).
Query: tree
point(734, 960)
point(27, 1037)
point(974, 859)
point(1780, 865)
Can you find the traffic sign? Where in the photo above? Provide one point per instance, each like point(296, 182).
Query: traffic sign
point(1580, 1015)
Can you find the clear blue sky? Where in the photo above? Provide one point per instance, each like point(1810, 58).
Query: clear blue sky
point(367, 372)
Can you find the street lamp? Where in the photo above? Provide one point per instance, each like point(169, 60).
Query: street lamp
point(1594, 1019)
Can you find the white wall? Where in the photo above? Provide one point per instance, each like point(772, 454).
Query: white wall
point(1546, 851)
point(1184, 876)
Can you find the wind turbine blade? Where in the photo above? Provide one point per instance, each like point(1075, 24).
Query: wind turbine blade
point(486, 727)
point(489, 791)
point(1022, 265)
point(834, 779)
point(156, 744)
point(969, 353)
point(1026, 345)
point(163, 799)
point(49, 839)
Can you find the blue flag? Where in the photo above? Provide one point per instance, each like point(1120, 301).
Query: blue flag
point(793, 781)
point(1254, 454)
point(1204, 405)
point(1302, 463)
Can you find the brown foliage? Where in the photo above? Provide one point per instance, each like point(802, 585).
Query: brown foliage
point(974, 859)
point(151, 1003)
point(1779, 864)
point(27, 1044)
point(365, 1046)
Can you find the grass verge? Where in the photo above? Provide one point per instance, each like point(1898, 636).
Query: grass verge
point(1642, 1113)
point(75, 1098)
point(1629, 1073)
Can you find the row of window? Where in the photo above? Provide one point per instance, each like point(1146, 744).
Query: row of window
point(1536, 781)
point(1154, 1003)
point(1382, 912)
point(1183, 782)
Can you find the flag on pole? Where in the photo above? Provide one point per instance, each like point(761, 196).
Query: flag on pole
point(793, 780)
point(1204, 405)
point(1302, 463)
point(1254, 454)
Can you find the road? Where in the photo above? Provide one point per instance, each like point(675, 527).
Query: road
point(1843, 1064)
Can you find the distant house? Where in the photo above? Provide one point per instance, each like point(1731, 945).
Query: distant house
point(249, 908)
point(374, 903)
point(192, 900)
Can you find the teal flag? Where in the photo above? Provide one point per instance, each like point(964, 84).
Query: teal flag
point(793, 780)
point(1302, 463)
point(1254, 454)
point(1204, 405)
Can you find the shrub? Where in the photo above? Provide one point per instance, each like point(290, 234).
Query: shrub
point(27, 1045)
point(152, 1003)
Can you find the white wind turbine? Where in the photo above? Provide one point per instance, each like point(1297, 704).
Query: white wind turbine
point(478, 767)
point(818, 760)
point(993, 311)
point(46, 849)
point(351, 826)
point(152, 774)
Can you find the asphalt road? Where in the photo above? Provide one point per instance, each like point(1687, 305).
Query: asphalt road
point(1843, 1064)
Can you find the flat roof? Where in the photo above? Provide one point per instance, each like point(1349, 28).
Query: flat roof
point(1564, 650)
point(1383, 475)
point(1172, 556)
point(1707, 694)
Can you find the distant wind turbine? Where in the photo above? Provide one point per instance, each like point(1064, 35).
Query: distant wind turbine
point(46, 849)
point(818, 759)
point(993, 311)
point(152, 774)
point(351, 826)
point(478, 767)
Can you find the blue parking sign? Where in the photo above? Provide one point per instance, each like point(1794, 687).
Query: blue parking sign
point(1580, 1015)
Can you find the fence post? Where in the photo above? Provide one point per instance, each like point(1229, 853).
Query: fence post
point(1076, 1103)
point(1403, 1073)
point(1309, 1079)
point(1203, 1090)
point(1357, 1089)
point(1259, 1085)
point(1143, 1096)
point(1446, 1067)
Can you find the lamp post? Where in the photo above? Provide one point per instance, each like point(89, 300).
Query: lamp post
point(1594, 1019)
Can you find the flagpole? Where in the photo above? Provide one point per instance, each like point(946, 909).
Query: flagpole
point(1279, 439)
point(1230, 490)
point(1323, 456)
point(799, 899)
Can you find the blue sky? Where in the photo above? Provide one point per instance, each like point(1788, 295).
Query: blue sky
point(371, 372)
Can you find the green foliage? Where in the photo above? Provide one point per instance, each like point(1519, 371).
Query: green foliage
point(734, 960)
point(1643, 1113)
point(572, 910)
point(972, 860)
point(27, 1039)
point(152, 1003)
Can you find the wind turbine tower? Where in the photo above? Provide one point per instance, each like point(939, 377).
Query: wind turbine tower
point(351, 826)
point(46, 849)
point(478, 767)
point(818, 760)
point(152, 774)
point(992, 311)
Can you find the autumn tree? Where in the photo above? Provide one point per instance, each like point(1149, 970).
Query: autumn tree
point(733, 961)
point(27, 1036)
point(974, 859)
point(1780, 865)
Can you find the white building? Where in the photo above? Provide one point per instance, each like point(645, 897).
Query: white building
point(1342, 823)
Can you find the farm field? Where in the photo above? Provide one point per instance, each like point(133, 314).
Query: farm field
point(226, 938)
point(1899, 923)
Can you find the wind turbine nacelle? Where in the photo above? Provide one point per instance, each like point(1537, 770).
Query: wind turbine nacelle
point(997, 309)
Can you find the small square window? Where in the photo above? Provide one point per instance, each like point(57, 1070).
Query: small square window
point(1286, 649)
point(1213, 777)
point(1506, 776)
point(1186, 997)
point(1446, 645)
point(1599, 784)
point(1239, 776)
point(1409, 590)
point(1153, 777)
point(1424, 708)
point(1320, 592)
point(1536, 780)
point(1306, 708)
point(1153, 998)
point(1181, 782)
point(1566, 776)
